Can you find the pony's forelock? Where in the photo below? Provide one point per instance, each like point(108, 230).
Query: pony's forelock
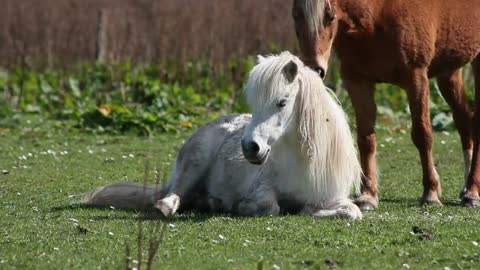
point(267, 79)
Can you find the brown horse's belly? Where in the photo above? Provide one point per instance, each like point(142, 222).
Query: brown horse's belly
point(449, 61)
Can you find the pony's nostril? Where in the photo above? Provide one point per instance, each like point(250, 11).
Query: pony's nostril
point(250, 147)
point(254, 146)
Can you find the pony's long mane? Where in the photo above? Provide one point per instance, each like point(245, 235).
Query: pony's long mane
point(324, 134)
point(326, 138)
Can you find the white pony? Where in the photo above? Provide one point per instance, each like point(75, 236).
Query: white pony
point(295, 152)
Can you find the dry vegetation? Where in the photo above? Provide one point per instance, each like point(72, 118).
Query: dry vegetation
point(59, 33)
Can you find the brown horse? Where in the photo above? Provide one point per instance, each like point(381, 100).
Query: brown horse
point(403, 42)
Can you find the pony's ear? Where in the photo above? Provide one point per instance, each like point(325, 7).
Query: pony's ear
point(260, 58)
point(290, 71)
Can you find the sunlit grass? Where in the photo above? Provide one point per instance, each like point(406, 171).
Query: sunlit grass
point(42, 167)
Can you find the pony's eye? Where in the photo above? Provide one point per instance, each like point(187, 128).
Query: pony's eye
point(282, 103)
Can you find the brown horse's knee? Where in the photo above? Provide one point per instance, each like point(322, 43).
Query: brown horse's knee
point(422, 137)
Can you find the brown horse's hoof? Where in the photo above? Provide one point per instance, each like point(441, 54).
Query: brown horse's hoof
point(366, 202)
point(431, 198)
point(470, 201)
point(436, 202)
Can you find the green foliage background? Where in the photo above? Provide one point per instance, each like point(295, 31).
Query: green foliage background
point(121, 98)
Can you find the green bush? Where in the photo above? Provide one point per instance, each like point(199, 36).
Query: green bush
point(124, 98)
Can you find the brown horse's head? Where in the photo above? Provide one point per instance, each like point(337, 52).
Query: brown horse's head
point(315, 25)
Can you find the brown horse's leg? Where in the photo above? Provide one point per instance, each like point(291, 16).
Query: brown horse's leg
point(362, 95)
point(418, 93)
point(471, 197)
point(451, 86)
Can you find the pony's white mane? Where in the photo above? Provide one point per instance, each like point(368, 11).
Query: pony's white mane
point(323, 130)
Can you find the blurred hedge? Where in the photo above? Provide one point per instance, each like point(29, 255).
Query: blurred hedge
point(60, 33)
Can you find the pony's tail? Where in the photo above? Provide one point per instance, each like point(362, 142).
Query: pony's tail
point(124, 195)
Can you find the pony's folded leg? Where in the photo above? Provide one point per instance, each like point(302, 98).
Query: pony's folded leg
point(347, 210)
point(263, 208)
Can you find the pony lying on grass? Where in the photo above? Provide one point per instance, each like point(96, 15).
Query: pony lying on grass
point(294, 153)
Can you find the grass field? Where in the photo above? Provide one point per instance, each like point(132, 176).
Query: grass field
point(44, 165)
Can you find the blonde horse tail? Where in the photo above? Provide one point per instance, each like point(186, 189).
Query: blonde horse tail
point(124, 195)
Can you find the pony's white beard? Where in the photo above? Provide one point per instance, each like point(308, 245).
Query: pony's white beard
point(333, 167)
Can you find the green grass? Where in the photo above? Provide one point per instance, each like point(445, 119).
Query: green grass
point(36, 230)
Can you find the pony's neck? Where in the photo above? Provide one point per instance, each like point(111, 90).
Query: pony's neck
point(289, 145)
point(357, 16)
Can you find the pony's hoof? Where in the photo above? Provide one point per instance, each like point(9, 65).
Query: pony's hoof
point(168, 205)
point(352, 212)
point(470, 201)
point(366, 203)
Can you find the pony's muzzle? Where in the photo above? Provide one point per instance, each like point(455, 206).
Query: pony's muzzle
point(253, 153)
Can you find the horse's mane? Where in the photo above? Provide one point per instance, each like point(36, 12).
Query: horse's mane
point(314, 11)
point(324, 132)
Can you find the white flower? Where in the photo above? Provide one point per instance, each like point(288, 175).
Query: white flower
point(475, 243)
point(405, 265)
point(111, 233)
point(221, 237)
point(276, 267)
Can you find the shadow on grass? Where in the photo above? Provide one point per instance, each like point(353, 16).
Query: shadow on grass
point(147, 214)
point(415, 202)
point(400, 202)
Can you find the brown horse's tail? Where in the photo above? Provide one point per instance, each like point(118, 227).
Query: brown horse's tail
point(124, 195)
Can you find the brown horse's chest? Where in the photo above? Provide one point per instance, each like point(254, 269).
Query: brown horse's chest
point(374, 58)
